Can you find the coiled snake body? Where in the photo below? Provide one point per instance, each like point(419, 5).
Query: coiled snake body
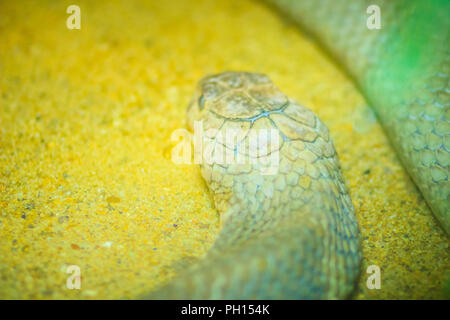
point(293, 234)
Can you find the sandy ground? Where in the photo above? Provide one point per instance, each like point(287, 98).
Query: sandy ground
point(86, 118)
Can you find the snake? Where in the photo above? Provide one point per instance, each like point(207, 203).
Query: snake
point(288, 225)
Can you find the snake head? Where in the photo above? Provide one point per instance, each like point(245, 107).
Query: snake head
point(234, 95)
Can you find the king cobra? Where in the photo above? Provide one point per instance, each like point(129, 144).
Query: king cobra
point(293, 234)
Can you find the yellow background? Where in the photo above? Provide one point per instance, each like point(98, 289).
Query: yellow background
point(86, 118)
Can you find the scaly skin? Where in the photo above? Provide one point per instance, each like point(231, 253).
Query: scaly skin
point(293, 235)
point(286, 234)
point(403, 69)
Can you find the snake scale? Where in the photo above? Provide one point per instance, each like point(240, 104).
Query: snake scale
point(294, 234)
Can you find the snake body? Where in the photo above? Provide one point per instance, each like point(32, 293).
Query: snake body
point(290, 233)
point(293, 234)
point(403, 69)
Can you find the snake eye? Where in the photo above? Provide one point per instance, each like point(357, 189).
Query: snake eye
point(201, 102)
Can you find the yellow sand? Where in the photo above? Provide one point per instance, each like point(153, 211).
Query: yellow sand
point(86, 119)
